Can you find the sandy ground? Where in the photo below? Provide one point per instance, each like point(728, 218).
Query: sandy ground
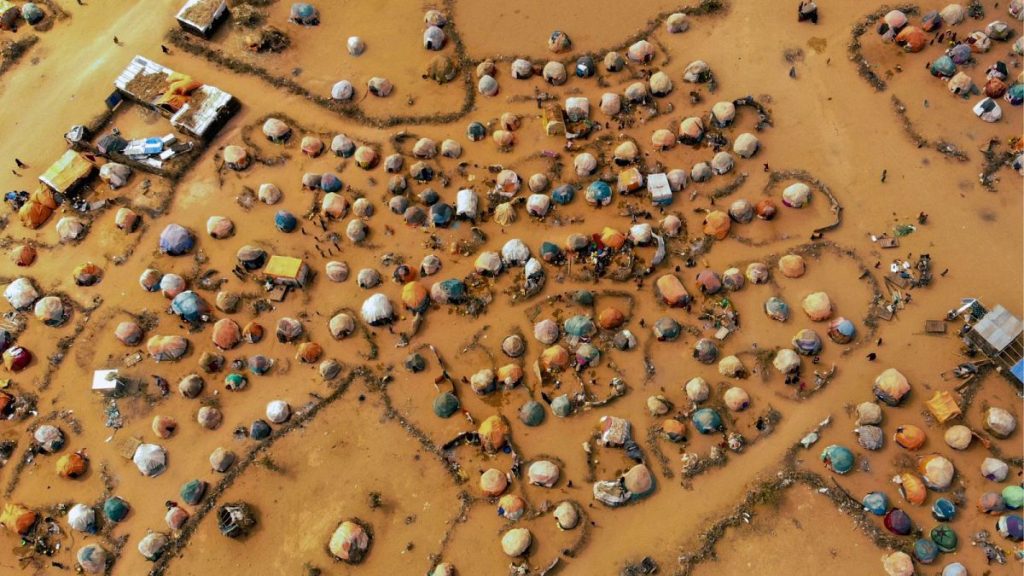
point(365, 439)
point(776, 542)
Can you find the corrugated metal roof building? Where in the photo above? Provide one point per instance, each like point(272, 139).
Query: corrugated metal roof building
point(202, 16)
point(1000, 336)
point(67, 172)
point(200, 113)
point(287, 270)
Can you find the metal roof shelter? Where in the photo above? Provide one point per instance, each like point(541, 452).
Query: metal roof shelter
point(140, 66)
point(67, 172)
point(998, 328)
point(202, 16)
point(105, 380)
point(554, 119)
point(658, 186)
point(198, 114)
point(208, 108)
point(1000, 336)
point(287, 270)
